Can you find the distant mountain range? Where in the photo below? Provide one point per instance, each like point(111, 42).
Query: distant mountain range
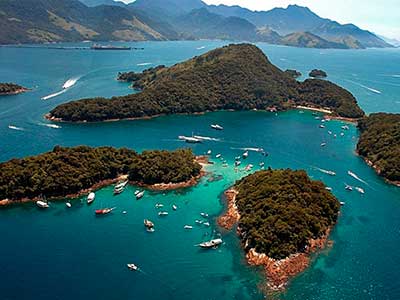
point(38, 21)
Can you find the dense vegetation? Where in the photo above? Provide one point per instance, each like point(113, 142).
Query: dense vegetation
point(281, 210)
point(238, 77)
point(293, 73)
point(318, 74)
point(380, 143)
point(65, 171)
point(10, 88)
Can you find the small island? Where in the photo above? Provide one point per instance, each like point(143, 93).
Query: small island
point(318, 74)
point(234, 77)
point(379, 144)
point(282, 217)
point(293, 73)
point(7, 89)
point(72, 172)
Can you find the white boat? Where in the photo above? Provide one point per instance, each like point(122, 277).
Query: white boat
point(188, 227)
point(42, 204)
point(262, 164)
point(211, 244)
point(174, 207)
point(327, 172)
point(118, 190)
point(360, 190)
point(245, 154)
point(206, 224)
point(329, 132)
point(217, 127)
point(323, 144)
point(139, 195)
point(198, 221)
point(345, 127)
point(68, 204)
point(328, 188)
point(209, 152)
point(121, 184)
point(132, 267)
point(159, 205)
point(321, 126)
point(218, 155)
point(189, 139)
point(348, 187)
point(237, 163)
point(248, 167)
point(342, 203)
point(163, 213)
point(204, 215)
point(91, 197)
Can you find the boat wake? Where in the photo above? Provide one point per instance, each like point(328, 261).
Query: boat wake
point(249, 149)
point(53, 95)
point(206, 138)
point(326, 171)
point(366, 87)
point(16, 128)
point(144, 64)
point(200, 48)
point(356, 177)
point(50, 125)
point(68, 84)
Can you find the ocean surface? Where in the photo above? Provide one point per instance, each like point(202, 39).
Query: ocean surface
point(63, 253)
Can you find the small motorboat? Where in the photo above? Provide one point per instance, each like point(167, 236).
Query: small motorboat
point(206, 224)
point(163, 213)
point(198, 221)
point(329, 132)
point(68, 204)
point(345, 127)
point(328, 188)
point(211, 244)
point(42, 204)
point(360, 190)
point(90, 198)
point(348, 187)
point(159, 205)
point(174, 207)
point(104, 211)
point(121, 184)
point(118, 190)
point(321, 126)
point(342, 203)
point(218, 155)
point(139, 195)
point(132, 267)
point(245, 154)
point(204, 215)
point(209, 152)
point(237, 163)
point(217, 127)
point(188, 227)
point(262, 164)
point(323, 144)
point(189, 139)
point(149, 225)
point(248, 167)
point(124, 212)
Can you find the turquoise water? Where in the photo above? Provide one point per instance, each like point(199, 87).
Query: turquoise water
point(65, 253)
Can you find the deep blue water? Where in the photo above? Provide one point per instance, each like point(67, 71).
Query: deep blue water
point(65, 253)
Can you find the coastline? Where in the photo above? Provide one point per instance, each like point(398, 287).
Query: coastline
point(16, 92)
point(202, 160)
point(277, 272)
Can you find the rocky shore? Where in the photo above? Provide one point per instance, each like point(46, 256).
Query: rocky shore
point(277, 272)
point(378, 170)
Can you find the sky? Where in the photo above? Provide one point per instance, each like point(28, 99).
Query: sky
point(379, 16)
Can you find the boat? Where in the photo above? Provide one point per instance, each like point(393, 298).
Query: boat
point(90, 198)
point(345, 127)
point(118, 190)
point(188, 227)
point(248, 167)
point(132, 267)
point(104, 211)
point(217, 127)
point(360, 190)
point(328, 188)
point(327, 172)
point(189, 139)
point(245, 155)
point(237, 163)
point(348, 187)
point(204, 215)
point(218, 155)
point(323, 144)
point(174, 207)
point(209, 152)
point(211, 244)
point(206, 224)
point(68, 204)
point(139, 195)
point(159, 205)
point(321, 126)
point(329, 132)
point(163, 213)
point(121, 184)
point(42, 204)
point(109, 47)
point(149, 225)
point(198, 221)
point(342, 203)
point(262, 164)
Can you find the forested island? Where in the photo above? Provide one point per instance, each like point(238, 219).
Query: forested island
point(282, 217)
point(318, 74)
point(11, 89)
point(68, 172)
point(234, 77)
point(293, 73)
point(379, 144)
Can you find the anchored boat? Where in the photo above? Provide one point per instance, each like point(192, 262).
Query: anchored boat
point(90, 198)
point(42, 204)
point(211, 244)
point(104, 211)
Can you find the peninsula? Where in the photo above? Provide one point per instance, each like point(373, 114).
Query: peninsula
point(379, 144)
point(282, 217)
point(72, 172)
point(234, 77)
point(11, 89)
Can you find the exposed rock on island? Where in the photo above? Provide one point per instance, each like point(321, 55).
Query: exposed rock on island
point(282, 216)
point(234, 77)
point(11, 89)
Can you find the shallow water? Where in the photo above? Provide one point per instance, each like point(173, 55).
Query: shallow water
point(63, 253)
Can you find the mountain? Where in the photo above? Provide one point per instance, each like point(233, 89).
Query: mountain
point(309, 40)
point(38, 21)
point(167, 8)
point(295, 18)
point(93, 3)
point(238, 77)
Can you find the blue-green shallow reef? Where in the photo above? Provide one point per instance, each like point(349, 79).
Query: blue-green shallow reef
point(63, 253)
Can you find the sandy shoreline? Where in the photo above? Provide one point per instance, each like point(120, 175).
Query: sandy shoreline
point(202, 160)
point(277, 272)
